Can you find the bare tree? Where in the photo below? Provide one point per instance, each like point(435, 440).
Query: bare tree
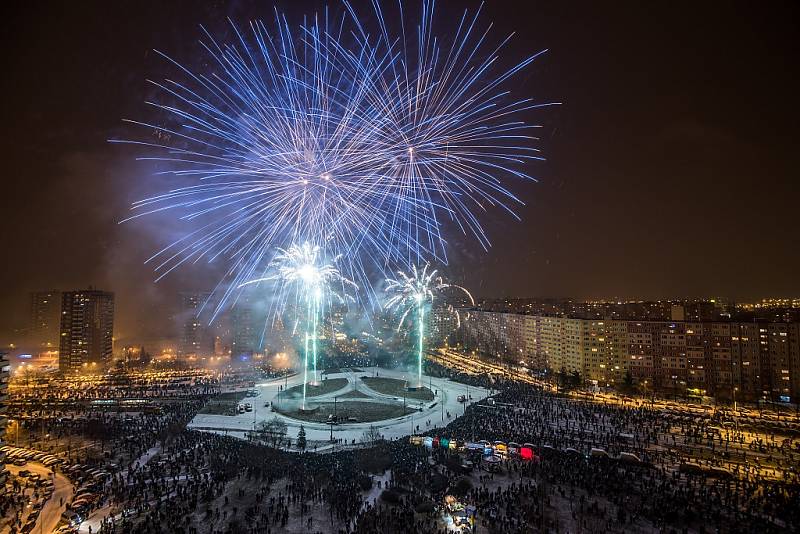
point(371, 435)
point(272, 431)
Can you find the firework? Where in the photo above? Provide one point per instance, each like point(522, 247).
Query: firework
point(413, 293)
point(366, 142)
point(456, 137)
point(302, 274)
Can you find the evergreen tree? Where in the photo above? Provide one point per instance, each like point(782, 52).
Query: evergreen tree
point(628, 379)
point(301, 438)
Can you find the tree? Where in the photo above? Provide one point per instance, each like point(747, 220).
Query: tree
point(628, 379)
point(272, 431)
point(575, 379)
point(371, 435)
point(301, 438)
point(561, 379)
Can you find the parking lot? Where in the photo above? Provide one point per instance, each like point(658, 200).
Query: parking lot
point(43, 495)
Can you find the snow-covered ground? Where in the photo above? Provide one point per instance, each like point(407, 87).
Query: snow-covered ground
point(434, 413)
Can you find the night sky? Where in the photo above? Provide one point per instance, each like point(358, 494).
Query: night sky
point(671, 170)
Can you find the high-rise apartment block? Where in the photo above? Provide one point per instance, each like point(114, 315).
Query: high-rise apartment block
point(245, 333)
point(45, 318)
point(748, 360)
point(87, 329)
point(195, 337)
point(5, 371)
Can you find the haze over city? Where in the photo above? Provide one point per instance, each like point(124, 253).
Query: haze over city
point(400, 267)
point(669, 163)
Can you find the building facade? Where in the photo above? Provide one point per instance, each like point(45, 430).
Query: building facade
point(87, 330)
point(246, 335)
point(5, 372)
point(194, 335)
point(726, 359)
point(45, 318)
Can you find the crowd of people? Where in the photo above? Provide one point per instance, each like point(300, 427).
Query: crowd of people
point(167, 478)
point(203, 482)
point(190, 487)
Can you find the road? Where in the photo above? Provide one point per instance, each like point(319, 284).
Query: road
point(472, 364)
point(434, 411)
point(62, 493)
point(95, 519)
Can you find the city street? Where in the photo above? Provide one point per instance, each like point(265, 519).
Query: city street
point(62, 493)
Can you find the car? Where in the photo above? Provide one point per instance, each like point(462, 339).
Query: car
point(71, 518)
point(20, 462)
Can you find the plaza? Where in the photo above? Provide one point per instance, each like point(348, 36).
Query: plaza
point(415, 414)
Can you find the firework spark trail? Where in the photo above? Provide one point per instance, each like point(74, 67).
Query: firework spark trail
point(456, 135)
point(302, 274)
point(414, 292)
point(364, 142)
